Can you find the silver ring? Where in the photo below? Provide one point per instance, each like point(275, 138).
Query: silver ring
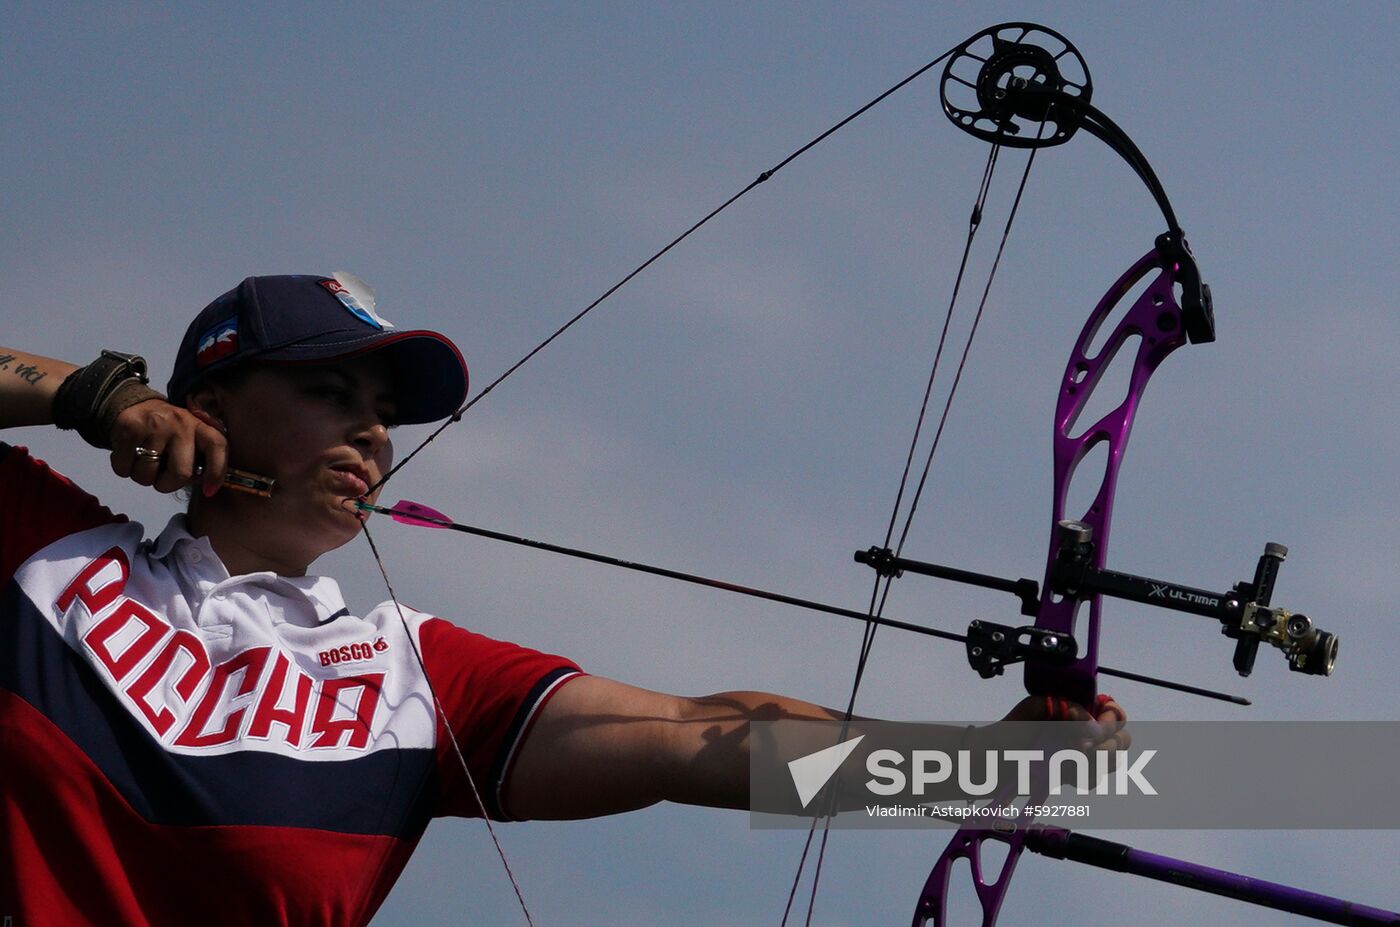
point(145, 453)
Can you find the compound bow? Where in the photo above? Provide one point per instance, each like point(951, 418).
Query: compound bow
point(1009, 86)
point(1022, 85)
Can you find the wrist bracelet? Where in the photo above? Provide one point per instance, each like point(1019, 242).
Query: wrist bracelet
point(90, 398)
point(126, 394)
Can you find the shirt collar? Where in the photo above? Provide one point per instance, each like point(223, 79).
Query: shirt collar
point(176, 530)
point(322, 592)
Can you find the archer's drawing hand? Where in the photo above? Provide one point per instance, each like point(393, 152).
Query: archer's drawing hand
point(157, 444)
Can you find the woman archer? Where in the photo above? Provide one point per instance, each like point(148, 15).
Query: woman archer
point(195, 728)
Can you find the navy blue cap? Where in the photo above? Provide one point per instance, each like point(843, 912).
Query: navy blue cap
point(310, 319)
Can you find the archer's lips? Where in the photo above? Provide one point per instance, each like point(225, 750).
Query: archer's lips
point(350, 483)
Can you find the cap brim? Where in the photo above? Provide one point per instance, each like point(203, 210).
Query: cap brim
point(430, 375)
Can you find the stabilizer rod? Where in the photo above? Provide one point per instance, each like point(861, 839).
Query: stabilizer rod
point(1058, 843)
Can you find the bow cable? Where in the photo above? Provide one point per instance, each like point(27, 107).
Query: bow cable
point(881, 589)
point(877, 602)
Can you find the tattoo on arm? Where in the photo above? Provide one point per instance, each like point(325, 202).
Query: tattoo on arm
point(29, 373)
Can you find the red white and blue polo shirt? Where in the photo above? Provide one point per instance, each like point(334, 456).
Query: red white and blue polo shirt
point(181, 746)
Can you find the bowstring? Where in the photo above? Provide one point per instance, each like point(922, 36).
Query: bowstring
point(456, 416)
point(763, 177)
point(440, 713)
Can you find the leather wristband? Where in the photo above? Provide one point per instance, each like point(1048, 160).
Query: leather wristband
point(90, 398)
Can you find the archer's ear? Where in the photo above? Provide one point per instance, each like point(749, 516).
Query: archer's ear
point(206, 402)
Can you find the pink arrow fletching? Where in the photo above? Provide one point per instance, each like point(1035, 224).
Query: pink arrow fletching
point(415, 513)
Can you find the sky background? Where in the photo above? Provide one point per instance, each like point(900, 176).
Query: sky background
point(742, 408)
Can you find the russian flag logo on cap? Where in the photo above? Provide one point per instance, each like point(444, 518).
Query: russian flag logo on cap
point(356, 296)
point(219, 341)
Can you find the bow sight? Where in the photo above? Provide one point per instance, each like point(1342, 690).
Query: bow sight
point(1244, 612)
